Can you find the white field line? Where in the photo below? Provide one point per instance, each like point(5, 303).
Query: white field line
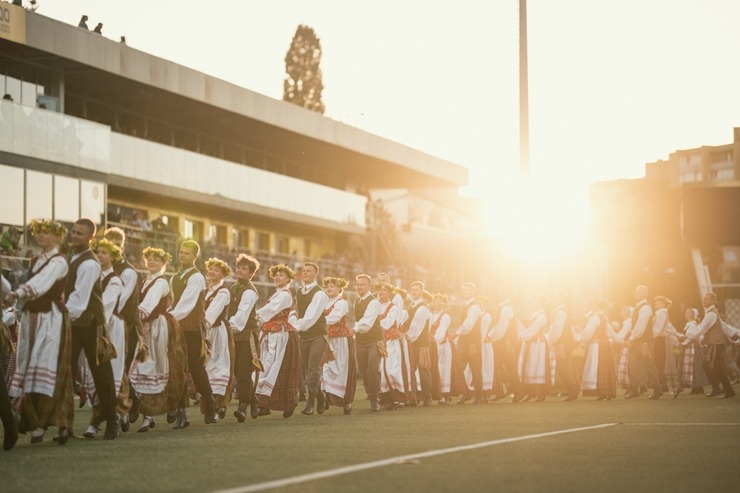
point(681, 424)
point(278, 483)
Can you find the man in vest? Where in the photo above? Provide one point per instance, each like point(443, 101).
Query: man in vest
point(310, 322)
point(419, 341)
point(506, 347)
point(188, 308)
point(469, 342)
point(243, 322)
point(714, 365)
point(561, 342)
point(640, 352)
point(369, 338)
point(84, 300)
point(129, 301)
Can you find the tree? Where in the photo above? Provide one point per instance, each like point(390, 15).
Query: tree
point(303, 82)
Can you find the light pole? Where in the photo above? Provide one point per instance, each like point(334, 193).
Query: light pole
point(523, 95)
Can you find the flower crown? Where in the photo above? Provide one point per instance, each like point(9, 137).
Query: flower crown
point(281, 268)
point(339, 282)
point(156, 252)
point(384, 285)
point(99, 242)
point(217, 262)
point(442, 297)
point(47, 226)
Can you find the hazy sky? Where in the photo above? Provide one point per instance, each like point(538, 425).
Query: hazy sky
point(613, 83)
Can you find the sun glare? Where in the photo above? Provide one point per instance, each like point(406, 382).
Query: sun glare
point(539, 223)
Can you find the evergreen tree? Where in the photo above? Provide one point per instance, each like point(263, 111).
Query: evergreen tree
point(303, 82)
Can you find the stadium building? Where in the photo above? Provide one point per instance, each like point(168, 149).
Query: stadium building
point(92, 127)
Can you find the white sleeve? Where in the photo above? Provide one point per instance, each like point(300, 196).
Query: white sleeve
point(129, 277)
point(368, 319)
point(79, 299)
point(590, 329)
point(642, 320)
point(278, 303)
point(706, 323)
point(556, 328)
point(340, 309)
point(313, 312)
point(421, 318)
point(155, 294)
point(241, 317)
point(196, 285)
point(507, 314)
point(111, 296)
point(533, 329)
point(444, 326)
point(470, 320)
point(661, 317)
point(42, 282)
point(390, 319)
point(217, 306)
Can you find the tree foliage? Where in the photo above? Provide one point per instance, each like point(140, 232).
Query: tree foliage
point(303, 82)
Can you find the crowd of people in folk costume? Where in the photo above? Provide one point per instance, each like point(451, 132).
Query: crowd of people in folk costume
point(129, 346)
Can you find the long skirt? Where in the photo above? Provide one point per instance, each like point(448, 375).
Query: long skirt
point(160, 379)
point(393, 382)
point(533, 367)
point(43, 374)
point(220, 363)
point(277, 385)
point(598, 372)
point(670, 366)
point(340, 375)
point(692, 371)
point(487, 366)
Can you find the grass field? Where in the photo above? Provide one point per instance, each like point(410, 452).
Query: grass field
point(688, 444)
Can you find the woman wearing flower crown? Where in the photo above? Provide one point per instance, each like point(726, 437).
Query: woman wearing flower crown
point(220, 364)
point(277, 385)
point(108, 253)
point(340, 373)
point(158, 371)
point(43, 375)
point(393, 380)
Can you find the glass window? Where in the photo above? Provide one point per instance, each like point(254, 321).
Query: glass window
point(38, 195)
point(12, 210)
point(66, 198)
point(92, 201)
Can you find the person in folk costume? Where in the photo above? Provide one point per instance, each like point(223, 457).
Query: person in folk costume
point(469, 342)
point(392, 376)
point(339, 377)
point(506, 349)
point(399, 295)
point(411, 382)
point(534, 371)
point(157, 373)
point(188, 287)
point(433, 355)
point(715, 366)
point(128, 305)
point(561, 342)
point(664, 331)
point(277, 384)
point(451, 380)
point(488, 365)
point(84, 300)
point(692, 370)
point(243, 322)
point(43, 376)
point(310, 322)
point(10, 429)
point(618, 334)
point(417, 332)
point(220, 364)
point(108, 254)
point(598, 370)
point(641, 363)
point(11, 322)
point(368, 338)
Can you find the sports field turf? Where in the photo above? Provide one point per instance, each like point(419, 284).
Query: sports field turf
point(688, 444)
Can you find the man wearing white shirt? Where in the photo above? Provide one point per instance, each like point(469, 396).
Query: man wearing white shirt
point(640, 353)
point(561, 342)
point(84, 301)
point(369, 335)
point(469, 344)
point(188, 308)
point(419, 341)
point(310, 322)
point(714, 362)
point(243, 322)
point(506, 347)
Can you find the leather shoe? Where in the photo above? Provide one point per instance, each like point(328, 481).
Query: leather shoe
point(210, 411)
point(182, 421)
point(714, 393)
point(463, 399)
point(289, 412)
point(125, 423)
point(91, 431)
point(241, 413)
point(64, 435)
point(570, 398)
point(308, 410)
point(263, 411)
point(347, 409)
point(374, 406)
point(320, 403)
point(728, 395)
point(517, 398)
point(172, 416)
point(146, 424)
point(655, 396)
point(221, 413)
point(112, 429)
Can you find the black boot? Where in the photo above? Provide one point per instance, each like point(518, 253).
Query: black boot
point(182, 420)
point(112, 428)
point(320, 403)
point(308, 410)
point(254, 409)
point(210, 410)
point(241, 413)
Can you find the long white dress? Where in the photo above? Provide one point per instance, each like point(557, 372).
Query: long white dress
point(533, 356)
point(151, 376)
point(218, 366)
point(273, 343)
point(335, 373)
point(444, 350)
point(392, 381)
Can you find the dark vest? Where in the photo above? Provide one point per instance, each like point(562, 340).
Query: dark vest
point(129, 311)
point(303, 300)
point(94, 314)
point(510, 335)
point(376, 332)
point(474, 336)
point(567, 336)
point(714, 335)
point(55, 294)
point(423, 340)
point(162, 306)
point(196, 319)
point(104, 284)
point(646, 336)
point(223, 316)
point(237, 291)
